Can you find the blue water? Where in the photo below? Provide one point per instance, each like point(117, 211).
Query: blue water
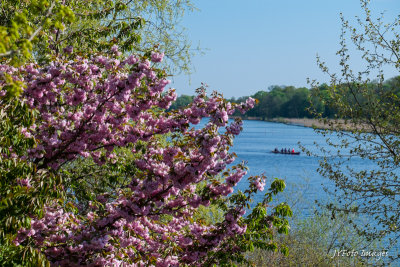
point(303, 181)
point(304, 185)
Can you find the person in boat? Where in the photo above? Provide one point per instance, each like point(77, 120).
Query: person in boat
point(284, 151)
point(293, 151)
point(276, 150)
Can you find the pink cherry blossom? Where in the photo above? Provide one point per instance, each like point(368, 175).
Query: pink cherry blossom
point(88, 108)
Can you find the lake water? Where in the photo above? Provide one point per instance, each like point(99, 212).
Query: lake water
point(254, 145)
point(304, 185)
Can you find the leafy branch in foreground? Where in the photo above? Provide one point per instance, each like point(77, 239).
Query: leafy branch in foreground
point(371, 109)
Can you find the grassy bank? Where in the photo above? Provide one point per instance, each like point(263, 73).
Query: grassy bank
point(315, 123)
point(332, 124)
point(306, 122)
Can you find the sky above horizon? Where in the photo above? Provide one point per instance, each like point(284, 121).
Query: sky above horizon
point(252, 45)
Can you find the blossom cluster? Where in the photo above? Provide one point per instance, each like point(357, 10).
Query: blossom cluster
point(89, 107)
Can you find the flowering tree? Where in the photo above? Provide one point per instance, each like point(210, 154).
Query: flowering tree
point(111, 111)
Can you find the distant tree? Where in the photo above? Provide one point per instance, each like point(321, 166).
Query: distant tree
point(261, 108)
point(282, 101)
point(297, 106)
point(319, 102)
point(369, 128)
point(276, 97)
point(182, 101)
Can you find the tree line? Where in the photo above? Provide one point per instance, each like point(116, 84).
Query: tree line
point(291, 102)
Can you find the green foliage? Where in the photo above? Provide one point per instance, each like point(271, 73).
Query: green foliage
point(43, 27)
point(181, 101)
point(260, 233)
point(210, 215)
point(85, 180)
point(315, 241)
point(24, 190)
point(281, 101)
point(371, 109)
point(24, 22)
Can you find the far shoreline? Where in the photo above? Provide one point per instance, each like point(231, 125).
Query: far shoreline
point(305, 122)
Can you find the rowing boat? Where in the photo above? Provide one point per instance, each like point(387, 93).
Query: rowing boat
point(287, 152)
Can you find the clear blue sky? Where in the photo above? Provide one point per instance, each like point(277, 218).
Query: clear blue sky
point(251, 45)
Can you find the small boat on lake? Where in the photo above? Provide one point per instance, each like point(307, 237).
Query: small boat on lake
point(286, 152)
